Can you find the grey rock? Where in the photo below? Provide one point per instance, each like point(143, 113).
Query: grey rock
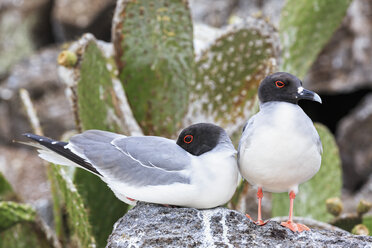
point(267, 9)
point(73, 18)
point(345, 62)
point(354, 136)
point(38, 75)
point(217, 13)
point(149, 225)
point(351, 199)
point(366, 191)
point(27, 176)
point(214, 13)
point(24, 27)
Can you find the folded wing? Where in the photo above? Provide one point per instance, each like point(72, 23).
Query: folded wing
point(138, 161)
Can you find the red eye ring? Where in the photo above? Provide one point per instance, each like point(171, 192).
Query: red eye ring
point(279, 84)
point(186, 137)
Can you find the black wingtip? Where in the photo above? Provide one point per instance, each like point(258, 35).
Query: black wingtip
point(59, 147)
point(33, 136)
point(41, 139)
point(28, 134)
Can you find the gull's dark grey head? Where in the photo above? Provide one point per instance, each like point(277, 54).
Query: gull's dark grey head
point(200, 138)
point(284, 87)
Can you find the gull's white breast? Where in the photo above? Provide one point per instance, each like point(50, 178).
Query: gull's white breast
point(217, 177)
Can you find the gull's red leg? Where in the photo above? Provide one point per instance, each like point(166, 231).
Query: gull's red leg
point(295, 227)
point(259, 216)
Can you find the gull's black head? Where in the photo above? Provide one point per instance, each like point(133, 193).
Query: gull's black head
point(284, 87)
point(200, 138)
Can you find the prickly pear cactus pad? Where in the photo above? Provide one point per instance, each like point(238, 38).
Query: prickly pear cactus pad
point(12, 213)
point(97, 106)
point(227, 74)
point(154, 47)
point(23, 235)
point(304, 28)
point(312, 196)
point(95, 91)
point(78, 214)
point(95, 94)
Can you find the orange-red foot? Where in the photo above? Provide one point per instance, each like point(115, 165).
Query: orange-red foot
point(295, 227)
point(258, 222)
point(249, 217)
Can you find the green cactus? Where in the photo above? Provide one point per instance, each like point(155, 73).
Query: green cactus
point(227, 75)
point(367, 221)
point(360, 229)
point(23, 235)
point(57, 201)
point(6, 191)
point(95, 92)
point(67, 59)
point(77, 212)
point(97, 109)
point(334, 206)
point(12, 213)
point(310, 201)
point(17, 226)
point(154, 51)
point(304, 28)
point(349, 221)
point(363, 207)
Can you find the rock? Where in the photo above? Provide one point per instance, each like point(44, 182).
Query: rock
point(217, 13)
point(214, 13)
point(351, 199)
point(73, 18)
point(354, 135)
point(149, 225)
point(27, 175)
point(267, 9)
point(24, 27)
point(345, 62)
point(37, 74)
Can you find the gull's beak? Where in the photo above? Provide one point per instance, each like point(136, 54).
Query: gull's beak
point(308, 95)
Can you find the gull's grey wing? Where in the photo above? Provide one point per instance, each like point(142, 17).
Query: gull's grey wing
point(318, 142)
point(245, 140)
point(139, 161)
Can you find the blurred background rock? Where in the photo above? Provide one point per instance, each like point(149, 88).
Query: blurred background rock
point(33, 32)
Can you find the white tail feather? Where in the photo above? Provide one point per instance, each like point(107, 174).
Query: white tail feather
point(55, 158)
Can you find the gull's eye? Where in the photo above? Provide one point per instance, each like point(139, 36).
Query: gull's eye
point(188, 139)
point(279, 84)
